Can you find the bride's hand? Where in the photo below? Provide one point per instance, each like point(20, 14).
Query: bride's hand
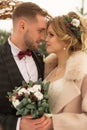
point(46, 124)
point(28, 116)
point(27, 123)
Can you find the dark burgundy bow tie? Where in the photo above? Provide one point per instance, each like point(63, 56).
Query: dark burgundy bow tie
point(21, 54)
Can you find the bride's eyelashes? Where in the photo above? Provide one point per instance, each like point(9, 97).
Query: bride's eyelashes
point(50, 34)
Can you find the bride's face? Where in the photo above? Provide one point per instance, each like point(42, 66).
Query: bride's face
point(53, 43)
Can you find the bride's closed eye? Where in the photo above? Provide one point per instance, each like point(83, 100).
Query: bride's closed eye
point(50, 34)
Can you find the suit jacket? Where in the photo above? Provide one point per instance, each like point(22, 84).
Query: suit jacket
point(10, 77)
point(69, 98)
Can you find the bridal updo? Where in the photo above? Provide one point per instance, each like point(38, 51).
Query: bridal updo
point(72, 29)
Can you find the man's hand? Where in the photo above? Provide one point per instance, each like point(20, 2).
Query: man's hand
point(43, 123)
point(27, 123)
point(47, 124)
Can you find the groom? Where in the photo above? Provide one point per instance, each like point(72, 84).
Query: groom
point(20, 60)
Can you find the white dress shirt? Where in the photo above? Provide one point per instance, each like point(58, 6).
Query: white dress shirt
point(26, 66)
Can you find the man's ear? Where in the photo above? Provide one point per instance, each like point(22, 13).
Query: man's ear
point(51, 62)
point(21, 25)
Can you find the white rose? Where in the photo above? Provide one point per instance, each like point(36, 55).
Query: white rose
point(15, 103)
point(36, 88)
point(39, 95)
point(23, 90)
point(75, 22)
point(30, 90)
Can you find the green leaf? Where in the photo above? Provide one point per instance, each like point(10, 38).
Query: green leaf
point(39, 103)
point(20, 111)
point(23, 103)
point(30, 106)
point(30, 83)
point(46, 86)
point(41, 110)
point(44, 104)
point(46, 96)
point(25, 112)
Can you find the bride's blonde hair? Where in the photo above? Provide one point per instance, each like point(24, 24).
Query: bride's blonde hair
point(72, 29)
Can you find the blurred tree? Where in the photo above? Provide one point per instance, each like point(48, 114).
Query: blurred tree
point(42, 46)
point(7, 7)
point(81, 10)
point(3, 36)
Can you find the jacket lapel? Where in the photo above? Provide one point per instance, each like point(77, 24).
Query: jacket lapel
point(68, 93)
point(12, 69)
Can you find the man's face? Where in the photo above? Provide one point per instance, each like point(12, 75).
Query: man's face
point(35, 32)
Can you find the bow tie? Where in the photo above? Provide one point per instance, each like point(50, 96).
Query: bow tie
point(21, 54)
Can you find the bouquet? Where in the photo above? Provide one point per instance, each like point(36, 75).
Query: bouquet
point(30, 99)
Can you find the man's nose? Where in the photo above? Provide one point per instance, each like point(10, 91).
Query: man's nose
point(43, 36)
point(46, 38)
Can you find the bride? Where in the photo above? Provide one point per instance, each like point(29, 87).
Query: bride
point(66, 37)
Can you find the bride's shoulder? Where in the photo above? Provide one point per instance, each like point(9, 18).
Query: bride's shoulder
point(76, 67)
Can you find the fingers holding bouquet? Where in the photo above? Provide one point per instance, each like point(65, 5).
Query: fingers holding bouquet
point(31, 124)
point(45, 124)
point(35, 121)
point(42, 123)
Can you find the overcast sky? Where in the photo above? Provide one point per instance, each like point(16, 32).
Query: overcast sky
point(54, 7)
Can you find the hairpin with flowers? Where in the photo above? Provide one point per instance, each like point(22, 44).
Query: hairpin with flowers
point(74, 25)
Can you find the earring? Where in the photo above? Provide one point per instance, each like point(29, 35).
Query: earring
point(64, 48)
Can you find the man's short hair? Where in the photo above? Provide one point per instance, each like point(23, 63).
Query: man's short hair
point(28, 10)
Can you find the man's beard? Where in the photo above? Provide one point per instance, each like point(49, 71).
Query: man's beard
point(30, 45)
point(29, 42)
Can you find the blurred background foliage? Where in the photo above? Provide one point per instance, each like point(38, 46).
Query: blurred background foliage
point(3, 36)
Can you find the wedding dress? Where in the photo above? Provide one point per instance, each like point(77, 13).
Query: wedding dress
point(54, 91)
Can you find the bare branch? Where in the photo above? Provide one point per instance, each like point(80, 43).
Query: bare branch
point(7, 7)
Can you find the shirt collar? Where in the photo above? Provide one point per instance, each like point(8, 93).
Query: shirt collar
point(14, 49)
